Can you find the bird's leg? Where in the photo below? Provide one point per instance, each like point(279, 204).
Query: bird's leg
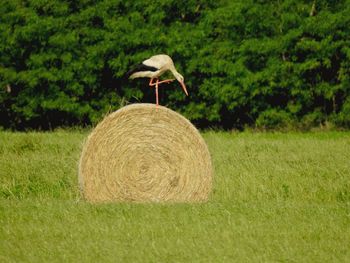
point(151, 84)
point(157, 101)
point(166, 81)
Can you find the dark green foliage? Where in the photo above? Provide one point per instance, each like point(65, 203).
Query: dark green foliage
point(258, 63)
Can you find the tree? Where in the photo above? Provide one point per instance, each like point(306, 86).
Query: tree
point(257, 63)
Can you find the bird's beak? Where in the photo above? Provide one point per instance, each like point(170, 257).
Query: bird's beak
point(184, 87)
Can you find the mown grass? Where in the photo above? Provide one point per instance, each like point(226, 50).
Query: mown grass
point(277, 197)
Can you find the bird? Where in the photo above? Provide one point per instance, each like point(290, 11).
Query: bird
point(153, 68)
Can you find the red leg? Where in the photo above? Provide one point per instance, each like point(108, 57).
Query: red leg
point(166, 81)
point(157, 100)
point(151, 83)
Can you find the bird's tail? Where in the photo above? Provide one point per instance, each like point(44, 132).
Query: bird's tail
point(129, 73)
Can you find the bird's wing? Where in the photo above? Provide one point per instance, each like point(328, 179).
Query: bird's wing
point(143, 74)
point(140, 68)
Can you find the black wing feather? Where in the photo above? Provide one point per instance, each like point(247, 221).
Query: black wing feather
point(140, 67)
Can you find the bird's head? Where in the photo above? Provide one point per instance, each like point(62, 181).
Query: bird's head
point(181, 79)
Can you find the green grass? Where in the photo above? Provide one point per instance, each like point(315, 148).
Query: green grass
point(277, 197)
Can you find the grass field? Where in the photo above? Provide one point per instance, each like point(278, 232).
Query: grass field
point(281, 197)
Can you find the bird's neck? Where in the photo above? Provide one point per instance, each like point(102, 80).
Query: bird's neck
point(175, 73)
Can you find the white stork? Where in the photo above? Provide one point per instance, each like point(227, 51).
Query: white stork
point(153, 68)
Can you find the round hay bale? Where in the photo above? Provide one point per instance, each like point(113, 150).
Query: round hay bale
point(144, 153)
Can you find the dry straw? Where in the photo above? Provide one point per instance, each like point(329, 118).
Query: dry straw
point(144, 153)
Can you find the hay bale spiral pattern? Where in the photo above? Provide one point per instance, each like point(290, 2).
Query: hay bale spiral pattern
point(144, 153)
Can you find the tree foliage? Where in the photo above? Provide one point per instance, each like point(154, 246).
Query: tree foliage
point(256, 63)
